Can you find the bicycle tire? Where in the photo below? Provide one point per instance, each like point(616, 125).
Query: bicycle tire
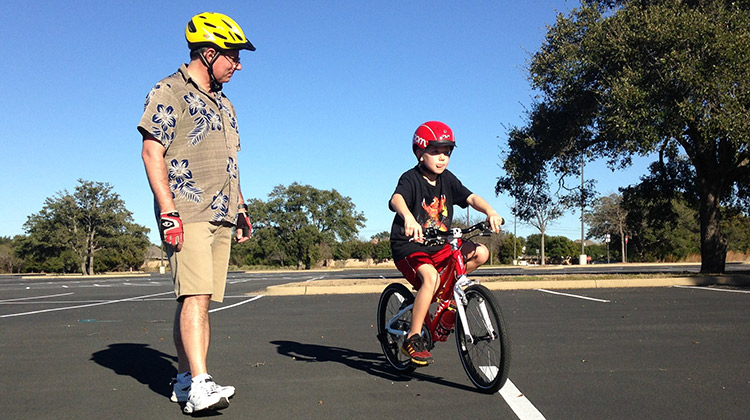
point(393, 298)
point(486, 360)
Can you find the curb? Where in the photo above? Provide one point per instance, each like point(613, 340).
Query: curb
point(350, 286)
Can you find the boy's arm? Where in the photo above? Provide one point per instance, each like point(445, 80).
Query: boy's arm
point(411, 226)
point(478, 203)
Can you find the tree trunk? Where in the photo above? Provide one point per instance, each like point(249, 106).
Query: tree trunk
point(713, 243)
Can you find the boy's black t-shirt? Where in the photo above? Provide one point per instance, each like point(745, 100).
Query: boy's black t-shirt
point(432, 206)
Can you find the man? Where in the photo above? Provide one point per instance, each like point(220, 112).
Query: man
point(190, 144)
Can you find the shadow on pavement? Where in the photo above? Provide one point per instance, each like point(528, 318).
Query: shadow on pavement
point(146, 365)
point(372, 363)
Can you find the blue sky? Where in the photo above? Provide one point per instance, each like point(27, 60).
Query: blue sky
point(330, 98)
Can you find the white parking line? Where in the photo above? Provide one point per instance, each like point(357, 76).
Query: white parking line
point(711, 288)
point(236, 304)
point(518, 402)
point(574, 296)
point(36, 297)
point(83, 306)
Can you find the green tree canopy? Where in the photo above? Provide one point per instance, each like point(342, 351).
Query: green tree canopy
point(72, 229)
point(297, 221)
point(608, 217)
point(624, 78)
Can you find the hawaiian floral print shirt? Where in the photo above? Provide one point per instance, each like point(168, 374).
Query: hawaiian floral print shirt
point(200, 134)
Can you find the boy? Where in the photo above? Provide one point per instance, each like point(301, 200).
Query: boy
point(424, 198)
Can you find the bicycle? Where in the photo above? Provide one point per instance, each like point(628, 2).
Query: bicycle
point(481, 336)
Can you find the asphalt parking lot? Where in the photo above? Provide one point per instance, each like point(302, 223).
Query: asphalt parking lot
point(102, 349)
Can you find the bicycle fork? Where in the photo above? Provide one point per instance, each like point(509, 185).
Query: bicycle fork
point(462, 302)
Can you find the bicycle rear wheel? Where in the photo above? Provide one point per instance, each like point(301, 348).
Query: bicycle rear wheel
point(394, 298)
point(487, 359)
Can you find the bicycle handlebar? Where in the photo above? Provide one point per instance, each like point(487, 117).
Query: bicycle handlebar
point(433, 236)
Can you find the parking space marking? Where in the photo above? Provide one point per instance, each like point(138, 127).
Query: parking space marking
point(107, 302)
point(235, 304)
point(713, 289)
point(573, 296)
point(35, 297)
point(518, 402)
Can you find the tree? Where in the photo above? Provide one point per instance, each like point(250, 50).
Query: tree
point(9, 261)
point(533, 203)
point(300, 223)
point(608, 217)
point(559, 248)
point(75, 228)
point(505, 249)
point(382, 236)
point(624, 78)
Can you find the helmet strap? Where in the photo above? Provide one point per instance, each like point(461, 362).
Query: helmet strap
point(215, 85)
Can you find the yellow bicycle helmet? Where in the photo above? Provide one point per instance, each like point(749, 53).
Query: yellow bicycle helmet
point(216, 30)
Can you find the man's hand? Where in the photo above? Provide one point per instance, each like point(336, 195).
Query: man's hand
point(170, 228)
point(244, 228)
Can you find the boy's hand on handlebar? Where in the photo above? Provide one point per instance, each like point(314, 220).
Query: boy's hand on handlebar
point(495, 222)
point(413, 230)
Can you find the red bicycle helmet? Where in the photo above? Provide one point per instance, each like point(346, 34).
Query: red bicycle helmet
point(435, 133)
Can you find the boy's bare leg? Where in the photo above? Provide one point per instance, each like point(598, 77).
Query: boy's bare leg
point(474, 255)
point(430, 281)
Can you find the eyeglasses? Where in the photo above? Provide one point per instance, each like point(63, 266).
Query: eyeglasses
point(234, 60)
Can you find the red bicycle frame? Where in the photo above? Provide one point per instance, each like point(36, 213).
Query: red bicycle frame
point(453, 271)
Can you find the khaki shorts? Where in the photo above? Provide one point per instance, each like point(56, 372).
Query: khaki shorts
point(200, 268)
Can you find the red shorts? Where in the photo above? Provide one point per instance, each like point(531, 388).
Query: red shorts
point(440, 260)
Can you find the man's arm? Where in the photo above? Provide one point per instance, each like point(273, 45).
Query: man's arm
point(244, 228)
point(156, 171)
point(152, 154)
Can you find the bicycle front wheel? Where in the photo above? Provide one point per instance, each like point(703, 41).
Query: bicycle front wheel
point(485, 354)
point(394, 298)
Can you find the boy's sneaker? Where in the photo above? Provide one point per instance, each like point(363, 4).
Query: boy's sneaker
point(415, 348)
point(205, 395)
point(180, 390)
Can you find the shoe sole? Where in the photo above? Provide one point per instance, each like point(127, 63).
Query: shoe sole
point(174, 398)
point(417, 362)
point(219, 405)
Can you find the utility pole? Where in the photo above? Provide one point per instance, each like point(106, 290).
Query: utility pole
point(515, 219)
point(582, 258)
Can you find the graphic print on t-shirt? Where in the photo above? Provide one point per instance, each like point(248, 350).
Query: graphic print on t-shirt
point(436, 211)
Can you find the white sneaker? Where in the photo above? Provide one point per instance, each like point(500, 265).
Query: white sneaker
point(180, 390)
point(204, 395)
